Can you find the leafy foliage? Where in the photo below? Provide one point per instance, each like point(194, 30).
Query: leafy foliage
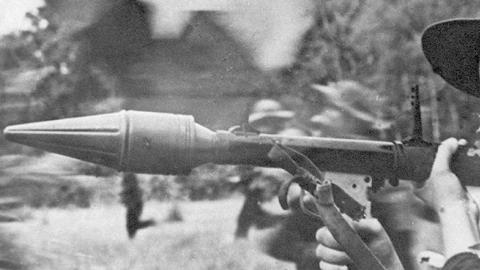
point(377, 43)
point(69, 82)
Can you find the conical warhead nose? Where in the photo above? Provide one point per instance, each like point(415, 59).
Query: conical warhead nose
point(96, 139)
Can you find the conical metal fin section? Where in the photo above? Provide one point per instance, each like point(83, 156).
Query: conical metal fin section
point(452, 48)
point(98, 139)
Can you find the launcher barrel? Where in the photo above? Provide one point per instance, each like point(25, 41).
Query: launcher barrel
point(163, 143)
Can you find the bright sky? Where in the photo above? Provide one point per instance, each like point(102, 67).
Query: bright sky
point(271, 29)
point(12, 14)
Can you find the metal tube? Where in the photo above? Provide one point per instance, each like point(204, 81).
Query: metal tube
point(162, 143)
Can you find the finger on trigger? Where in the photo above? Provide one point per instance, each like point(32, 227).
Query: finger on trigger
point(328, 266)
point(332, 256)
point(325, 238)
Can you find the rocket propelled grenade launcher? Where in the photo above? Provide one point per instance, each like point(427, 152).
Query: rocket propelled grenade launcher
point(163, 143)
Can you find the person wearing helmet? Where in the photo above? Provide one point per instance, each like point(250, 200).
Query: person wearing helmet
point(291, 234)
point(269, 116)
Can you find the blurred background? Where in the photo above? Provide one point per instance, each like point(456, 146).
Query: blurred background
point(322, 68)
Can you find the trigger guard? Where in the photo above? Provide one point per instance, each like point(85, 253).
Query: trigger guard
point(283, 192)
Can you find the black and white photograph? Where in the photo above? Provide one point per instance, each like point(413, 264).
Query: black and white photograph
point(239, 134)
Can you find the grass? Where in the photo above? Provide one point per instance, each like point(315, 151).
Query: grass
point(95, 238)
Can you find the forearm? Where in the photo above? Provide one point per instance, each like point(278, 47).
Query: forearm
point(459, 229)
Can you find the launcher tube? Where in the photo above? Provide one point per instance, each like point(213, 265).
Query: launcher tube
point(162, 143)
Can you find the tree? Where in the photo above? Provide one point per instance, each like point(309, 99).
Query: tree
point(377, 43)
point(70, 81)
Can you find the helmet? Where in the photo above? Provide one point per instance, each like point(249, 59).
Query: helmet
point(269, 116)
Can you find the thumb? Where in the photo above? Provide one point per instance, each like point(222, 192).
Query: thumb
point(444, 154)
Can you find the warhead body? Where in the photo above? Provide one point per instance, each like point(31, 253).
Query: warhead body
point(142, 142)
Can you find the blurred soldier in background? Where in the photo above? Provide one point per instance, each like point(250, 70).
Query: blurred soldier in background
point(291, 235)
point(132, 198)
point(268, 116)
point(260, 184)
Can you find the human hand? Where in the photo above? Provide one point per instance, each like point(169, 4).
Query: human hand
point(457, 211)
point(332, 256)
point(443, 188)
